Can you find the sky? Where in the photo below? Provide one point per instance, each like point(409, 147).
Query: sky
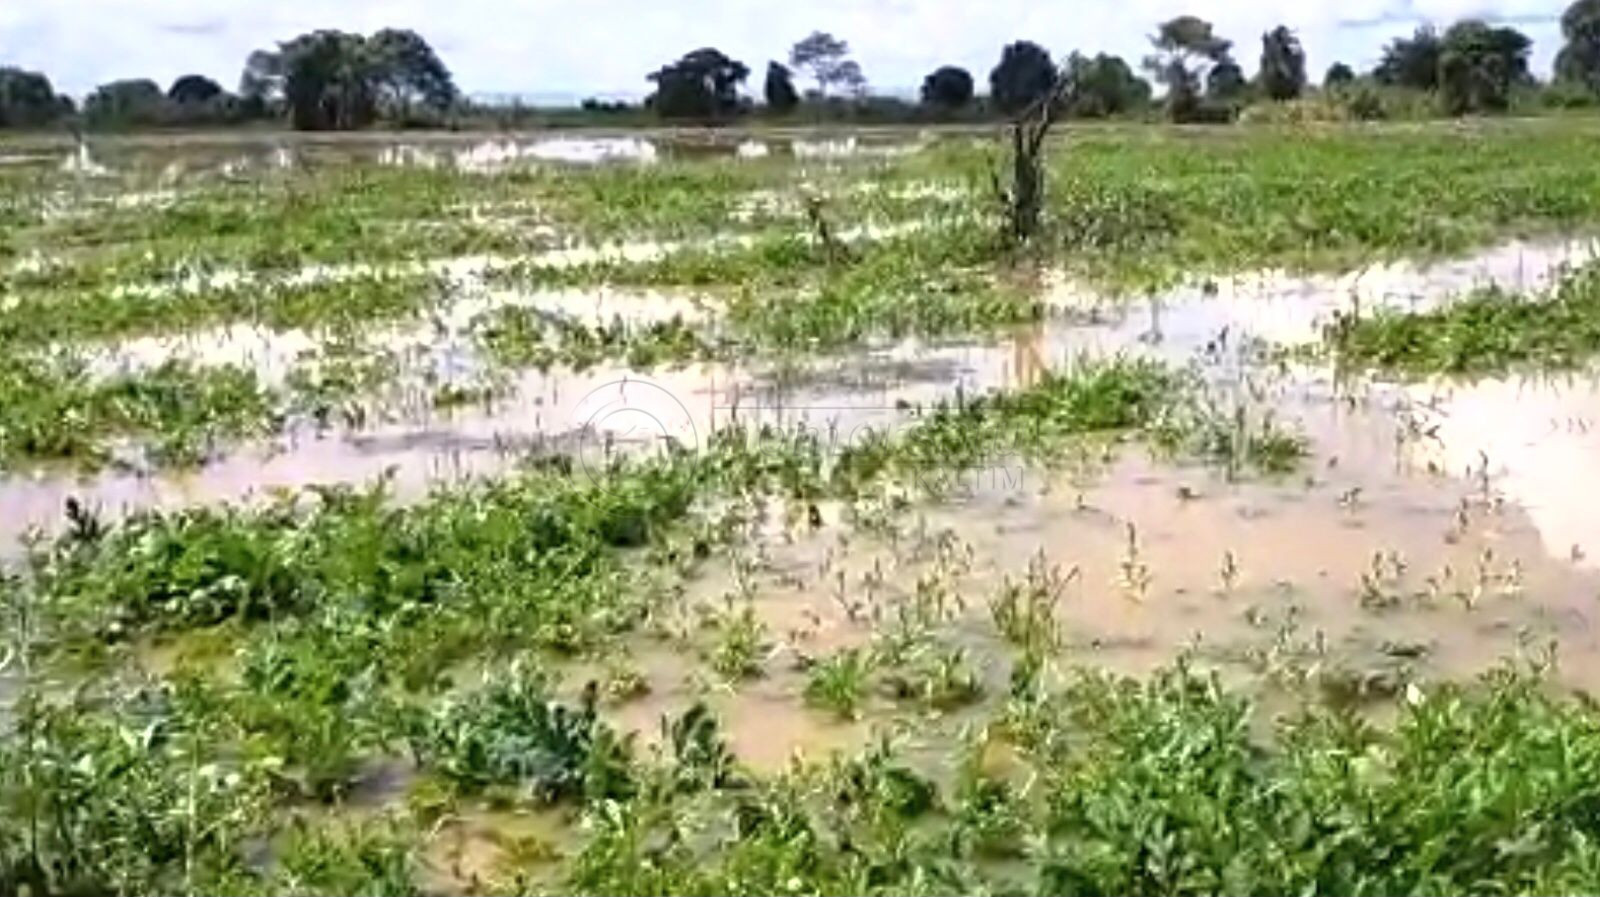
point(567, 49)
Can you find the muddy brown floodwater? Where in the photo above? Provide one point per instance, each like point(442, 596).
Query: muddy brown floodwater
point(1536, 435)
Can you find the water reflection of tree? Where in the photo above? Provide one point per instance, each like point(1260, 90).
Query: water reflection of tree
point(1027, 354)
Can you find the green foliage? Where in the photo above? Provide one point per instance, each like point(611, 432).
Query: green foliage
point(333, 80)
point(948, 87)
point(54, 408)
point(839, 683)
point(1412, 62)
point(510, 732)
point(189, 90)
point(779, 90)
point(1102, 86)
point(740, 648)
point(1186, 51)
point(27, 99)
point(1283, 65)
point(1155, 788)
point(1024, 75)
point(1325, 198)
point(1578, 61)
point(1225, 83)
point(704, 84)
point(1025, 612)
point(340, 858)
point(126, 799)
point(132, 102)
point(1488, 332)
point(525, 337)
point(1478, 66)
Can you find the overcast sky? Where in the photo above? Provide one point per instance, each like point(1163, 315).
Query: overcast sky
point(604, 47)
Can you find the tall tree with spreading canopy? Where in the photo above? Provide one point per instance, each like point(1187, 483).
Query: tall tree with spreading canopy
point(1478, 66)
point(704, 84)
point(1338, 76)
point(1578, 62)
point(335, 80)
point(1186, 49)
point(1024, 75)
point(948, 87)
point(1283, 64)
point(330, 81)
point(1102, 86)
point(779, 89)
point(828, 60)
point(409, 73)
point(27, 99)
point(1411, 62)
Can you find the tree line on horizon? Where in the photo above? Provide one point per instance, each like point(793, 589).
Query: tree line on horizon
point(335, 80)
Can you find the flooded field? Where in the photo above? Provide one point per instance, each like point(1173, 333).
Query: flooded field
point(740, 513)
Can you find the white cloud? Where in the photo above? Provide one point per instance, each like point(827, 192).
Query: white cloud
point(571, 46)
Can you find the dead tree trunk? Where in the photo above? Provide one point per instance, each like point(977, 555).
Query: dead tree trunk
point(837, 252)
point(1024, 200)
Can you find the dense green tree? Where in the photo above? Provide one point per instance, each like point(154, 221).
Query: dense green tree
point(193, 90)
point(132, 101)
point(828, 60)
point(1283, 65)
point(1338, 76)
point(1025, 75)
point(704, 84)
point(1478, 66)
point(1102, 86)
point(1411, 62)
point(779, 88)
point(409, 74)
point(947, 87)
point(335, 80)
point(1579, 59)
point(1186, 49)
point(330, 81)
point(27, 100)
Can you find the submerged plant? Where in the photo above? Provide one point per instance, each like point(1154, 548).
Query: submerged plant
point(839, 683)
point(1025, 612)
point(513, 733)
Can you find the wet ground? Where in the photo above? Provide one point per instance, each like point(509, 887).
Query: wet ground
point(176, 156)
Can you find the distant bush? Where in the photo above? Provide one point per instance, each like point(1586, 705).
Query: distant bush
point(1565, 95)
point(1323, 107)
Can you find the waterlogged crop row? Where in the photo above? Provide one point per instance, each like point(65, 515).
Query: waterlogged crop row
point(1487, 332)
point(1125, 206)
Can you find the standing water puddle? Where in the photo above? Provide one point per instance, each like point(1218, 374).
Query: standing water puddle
point(1537, 437)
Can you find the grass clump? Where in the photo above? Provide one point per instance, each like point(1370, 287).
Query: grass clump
point(54, 408)
point(519, 337)
point(511, 733)
point(1488, 332)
